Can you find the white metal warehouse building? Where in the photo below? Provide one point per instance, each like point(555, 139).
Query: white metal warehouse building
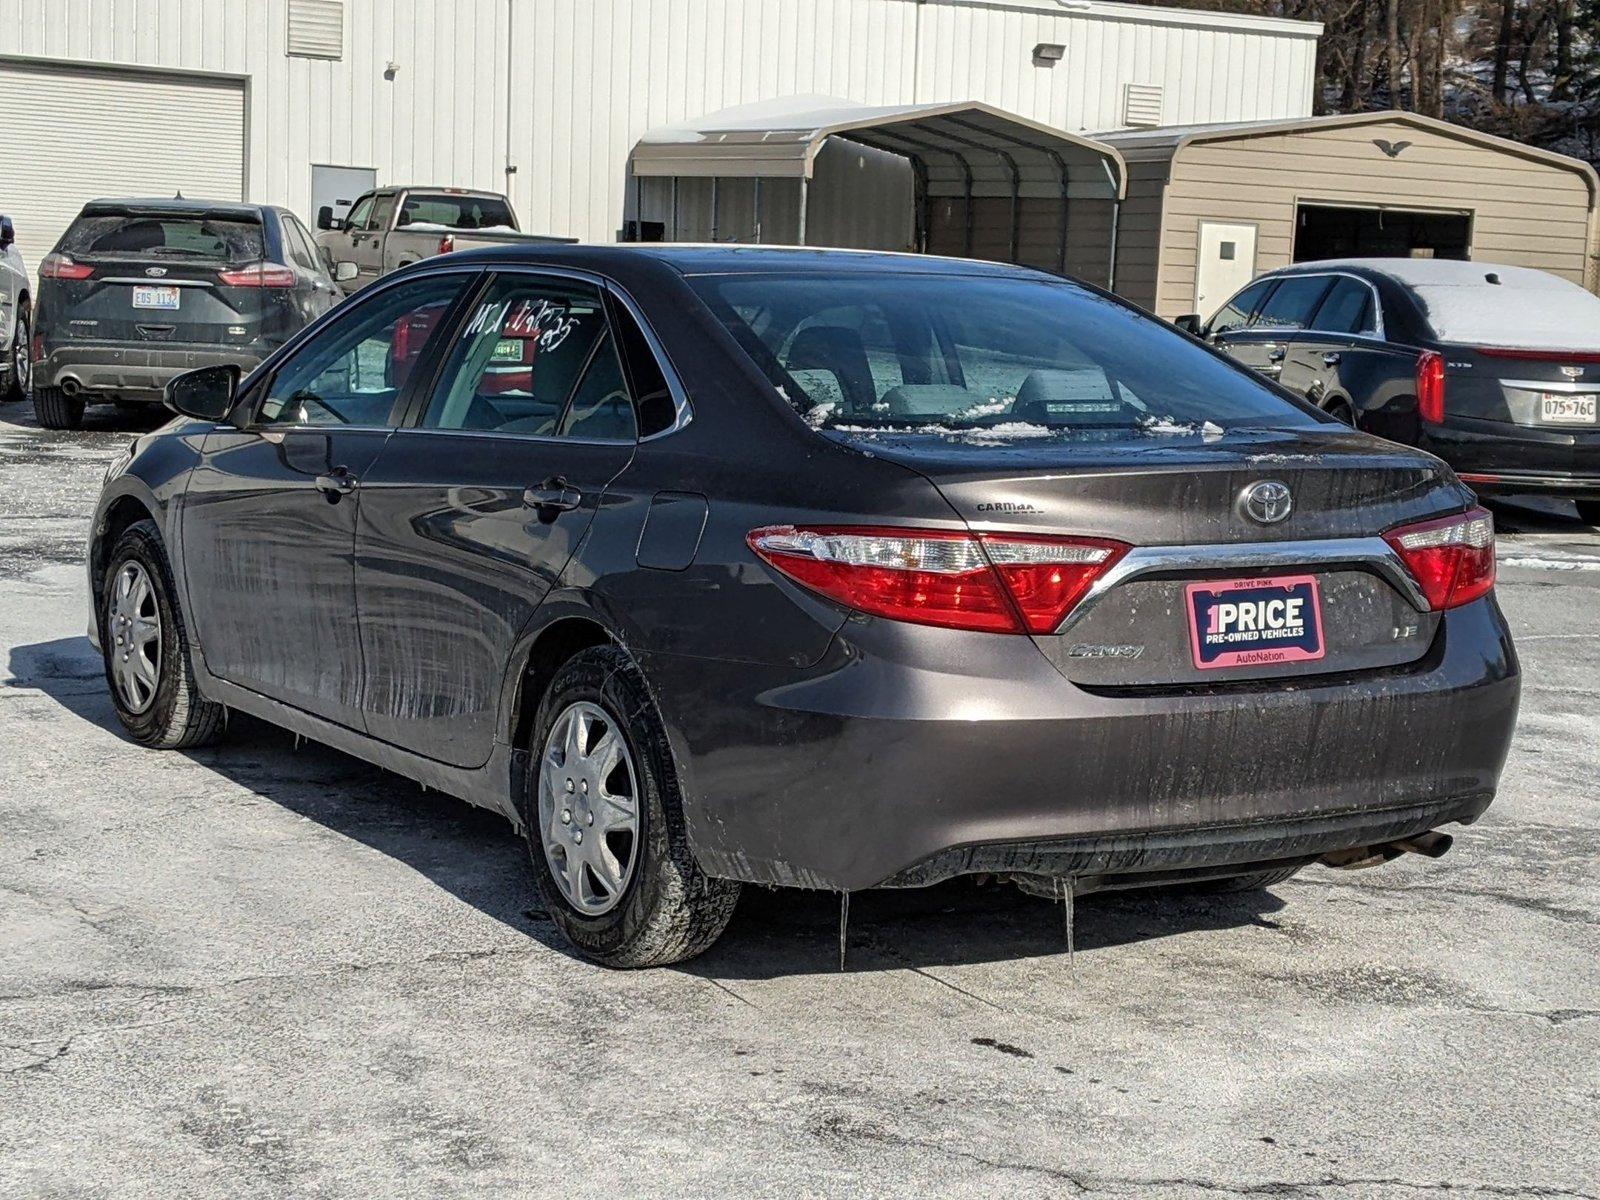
point(300, 102)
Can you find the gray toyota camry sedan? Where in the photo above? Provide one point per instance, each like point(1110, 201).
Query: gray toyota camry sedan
point(824, 569)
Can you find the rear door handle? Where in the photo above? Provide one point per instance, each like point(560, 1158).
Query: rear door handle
point(555, 494)
point(337, 484)
point(1331, 359)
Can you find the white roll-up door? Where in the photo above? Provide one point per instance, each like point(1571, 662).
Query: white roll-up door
point(69, 135)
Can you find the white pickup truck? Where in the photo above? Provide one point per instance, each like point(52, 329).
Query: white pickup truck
point(392, 227)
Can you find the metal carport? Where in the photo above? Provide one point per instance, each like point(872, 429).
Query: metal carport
point(959, 178)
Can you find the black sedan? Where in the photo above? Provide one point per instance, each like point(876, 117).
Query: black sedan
point(138, 291)
point(821, 569)
point(1494, 369)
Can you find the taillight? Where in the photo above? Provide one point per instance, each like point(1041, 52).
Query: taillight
point(1430, 386)
point(995, 583)
point(60, 266)
point(257, 275)
point(447, 243)
point(1452, 558)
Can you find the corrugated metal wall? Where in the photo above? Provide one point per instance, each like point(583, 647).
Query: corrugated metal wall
point(587, 77)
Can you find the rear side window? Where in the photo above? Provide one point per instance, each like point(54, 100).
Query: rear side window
point(1347, 309)
point(446, 211)
point(535, 358)
point(1235, 314)
point(1293, 303)
point(1019, 355)
point(655, 405)
point(153, 235)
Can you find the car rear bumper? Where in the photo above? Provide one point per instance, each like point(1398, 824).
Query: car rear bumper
point(133, 372)
point(894, 762)
point(1498, 456)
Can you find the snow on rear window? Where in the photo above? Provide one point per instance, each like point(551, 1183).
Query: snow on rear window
point(1527, 309)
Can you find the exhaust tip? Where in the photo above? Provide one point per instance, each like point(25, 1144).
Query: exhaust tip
point(70, 386)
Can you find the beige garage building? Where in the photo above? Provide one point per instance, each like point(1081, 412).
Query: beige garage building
point(1208, 207)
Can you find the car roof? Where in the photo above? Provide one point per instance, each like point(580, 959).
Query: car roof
point(1410, 272)
point(694, 259)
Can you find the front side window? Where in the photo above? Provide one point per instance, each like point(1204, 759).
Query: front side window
point(535, 357)
point(359, 213)
point(353, 371)
point(1235, 314)
point(1348, 309)
point(1291, 306)
point(382, 212)
point(1019, 355)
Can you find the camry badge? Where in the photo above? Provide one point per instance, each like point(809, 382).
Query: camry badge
point(158, 272)
point(1572, 372)
point(1267, 502)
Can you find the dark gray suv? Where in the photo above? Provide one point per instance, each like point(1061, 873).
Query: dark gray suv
point(137, 291)
point(822, 569)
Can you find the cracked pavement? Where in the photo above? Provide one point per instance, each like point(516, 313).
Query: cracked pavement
point(262, 970)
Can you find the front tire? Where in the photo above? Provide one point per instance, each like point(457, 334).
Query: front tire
point(21, 361)
point(145, 644)
point(56, 410)
point(604, 823)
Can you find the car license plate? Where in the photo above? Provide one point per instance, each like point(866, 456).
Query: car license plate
point(1255, 622)
point(1566, 410)
point(145, 296)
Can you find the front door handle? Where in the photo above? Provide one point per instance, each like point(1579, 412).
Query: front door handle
point(1275, 354)
point(555, 494)
point(335, 485)
point(1331, 359)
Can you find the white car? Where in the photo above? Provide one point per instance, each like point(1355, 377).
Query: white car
point(16, 317)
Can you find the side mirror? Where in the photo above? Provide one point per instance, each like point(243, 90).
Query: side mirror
point(1190, 323)
point(8, 233)
point(326, 219)
point(345, 271)
point(206, 394)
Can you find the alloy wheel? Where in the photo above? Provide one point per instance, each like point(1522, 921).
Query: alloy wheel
point(589, 808)
point(133, 626)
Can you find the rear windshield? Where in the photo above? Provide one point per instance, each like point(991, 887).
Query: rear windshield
point(1017, 357)
point(456, 212)
point(199, 238)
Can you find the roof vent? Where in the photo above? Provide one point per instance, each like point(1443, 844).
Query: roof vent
point(1141, 105)
point(316, 29)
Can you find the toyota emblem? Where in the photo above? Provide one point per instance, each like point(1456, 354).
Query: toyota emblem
point(1268, 502)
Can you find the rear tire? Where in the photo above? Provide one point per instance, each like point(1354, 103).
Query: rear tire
point(159, 706)
point(20, 363)
point(1252, 882)
point(1589, 512)
point(666, 910)
point(56, 410)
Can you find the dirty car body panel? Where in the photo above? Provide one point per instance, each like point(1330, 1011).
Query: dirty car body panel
point(817, 743)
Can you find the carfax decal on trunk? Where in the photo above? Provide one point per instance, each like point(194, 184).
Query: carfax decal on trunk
point(1255, 622)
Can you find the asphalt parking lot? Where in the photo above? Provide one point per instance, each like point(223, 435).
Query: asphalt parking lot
point(265, 969)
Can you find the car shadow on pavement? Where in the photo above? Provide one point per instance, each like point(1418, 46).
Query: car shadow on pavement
point(474, 855)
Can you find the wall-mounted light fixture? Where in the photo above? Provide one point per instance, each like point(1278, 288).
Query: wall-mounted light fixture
point(390, 70)
point(1048, 54)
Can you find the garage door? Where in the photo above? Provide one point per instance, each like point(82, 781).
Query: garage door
point(69, 135)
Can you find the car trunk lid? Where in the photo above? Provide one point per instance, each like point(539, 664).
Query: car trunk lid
point(1200, 563)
